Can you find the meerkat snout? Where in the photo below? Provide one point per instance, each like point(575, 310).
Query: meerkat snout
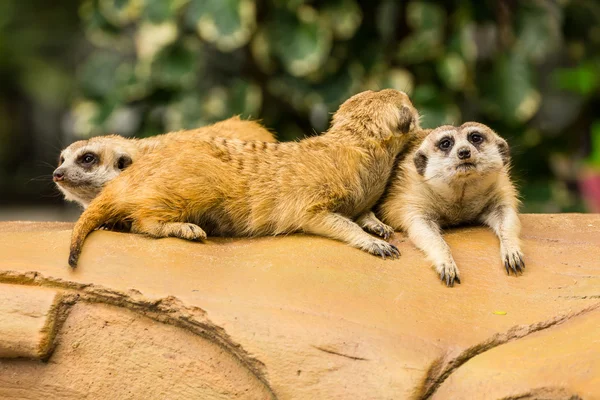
point(58, 175)
point(464, 153)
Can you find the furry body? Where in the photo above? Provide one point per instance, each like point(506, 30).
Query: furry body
point(82, 181)
point(434, 187)
point(230, 187)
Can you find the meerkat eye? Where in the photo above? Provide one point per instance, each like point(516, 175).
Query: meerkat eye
point(87, 158)
point(445, 144)
point(476, 138)
point(61, 160)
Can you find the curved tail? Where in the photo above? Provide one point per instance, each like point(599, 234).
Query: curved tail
point(93, 217)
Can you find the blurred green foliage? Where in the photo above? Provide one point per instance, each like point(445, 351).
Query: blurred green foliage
point(530, 69)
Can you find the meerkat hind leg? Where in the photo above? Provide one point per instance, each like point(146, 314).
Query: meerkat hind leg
point(370, 223)
point(159, 229)
point(338, 227)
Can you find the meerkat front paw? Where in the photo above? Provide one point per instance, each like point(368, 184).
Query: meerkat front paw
point(513, 261)
point(382, 249)
point(184, 230)
point(448, 272)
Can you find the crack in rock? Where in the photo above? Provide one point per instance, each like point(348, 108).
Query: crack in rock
point(329, 351)
point(547, 393)
point(168, 310)
point(442, 368)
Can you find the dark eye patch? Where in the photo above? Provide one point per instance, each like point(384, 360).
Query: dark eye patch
point(87, 159)
point(445, 144)
point(476, 138)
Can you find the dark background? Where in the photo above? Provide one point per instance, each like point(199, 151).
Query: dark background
point(72, 69)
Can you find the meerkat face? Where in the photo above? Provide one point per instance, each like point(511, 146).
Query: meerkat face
point(381, 114)
point(86, 166)
point(449, 153)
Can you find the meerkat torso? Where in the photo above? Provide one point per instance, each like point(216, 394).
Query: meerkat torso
point(259, 188)
point(318, 185)
point(453, 176)
point(86, 166)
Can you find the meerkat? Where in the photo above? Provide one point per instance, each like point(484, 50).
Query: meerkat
point(225, 187)
point(455, 175)
point(86, 166)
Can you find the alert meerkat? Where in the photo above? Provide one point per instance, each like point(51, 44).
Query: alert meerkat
point(320, 185)
point(86, 166)
point(455, 175)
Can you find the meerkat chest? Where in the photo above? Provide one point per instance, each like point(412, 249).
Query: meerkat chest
point(463, 204)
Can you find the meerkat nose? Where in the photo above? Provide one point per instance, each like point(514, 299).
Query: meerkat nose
point(464, 153)
point(58, 176)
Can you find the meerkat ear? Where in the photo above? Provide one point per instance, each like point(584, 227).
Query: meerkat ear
point(420, 161)
point(124, 161)
point(503, 150)
point(405, 120)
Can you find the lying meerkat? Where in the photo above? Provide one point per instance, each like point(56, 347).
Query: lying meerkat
point(456, 175)
point(318, 185)
point(86, 166)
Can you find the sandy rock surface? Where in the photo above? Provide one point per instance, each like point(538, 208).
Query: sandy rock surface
point(298, 317)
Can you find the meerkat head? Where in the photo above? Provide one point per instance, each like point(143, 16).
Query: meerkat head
point(469, 151)
point(378, 115)
point(87, 165)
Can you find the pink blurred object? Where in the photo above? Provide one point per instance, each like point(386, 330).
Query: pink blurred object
point(589, 184)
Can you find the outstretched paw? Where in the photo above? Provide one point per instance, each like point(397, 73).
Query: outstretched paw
point(185, 231)
point(382, 249)
point(513, 261)
point(448, 272)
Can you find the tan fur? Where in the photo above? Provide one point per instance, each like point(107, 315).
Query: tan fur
point(230, 187)
point(82, 183)
point(430, 190)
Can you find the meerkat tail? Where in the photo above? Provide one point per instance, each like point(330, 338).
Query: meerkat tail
point(92, 218)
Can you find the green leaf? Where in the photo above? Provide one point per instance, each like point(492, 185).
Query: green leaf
point(538, 29)
point(301, 42)
point(345, 17)
point(387, 19)
point(185, 113)
point(583, 79)
point(425, 16)
point(151, 38)
point(594, 157)
point(174, 67)
point(159, 11)
point(513, 94)
point(453, 71)
point(420, 47)
point(121, 12)
point(228, 24)
point(97, 78)
point(99, 30)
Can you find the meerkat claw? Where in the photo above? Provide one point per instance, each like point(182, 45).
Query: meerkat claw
point(384, 250)
point(514, 263)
